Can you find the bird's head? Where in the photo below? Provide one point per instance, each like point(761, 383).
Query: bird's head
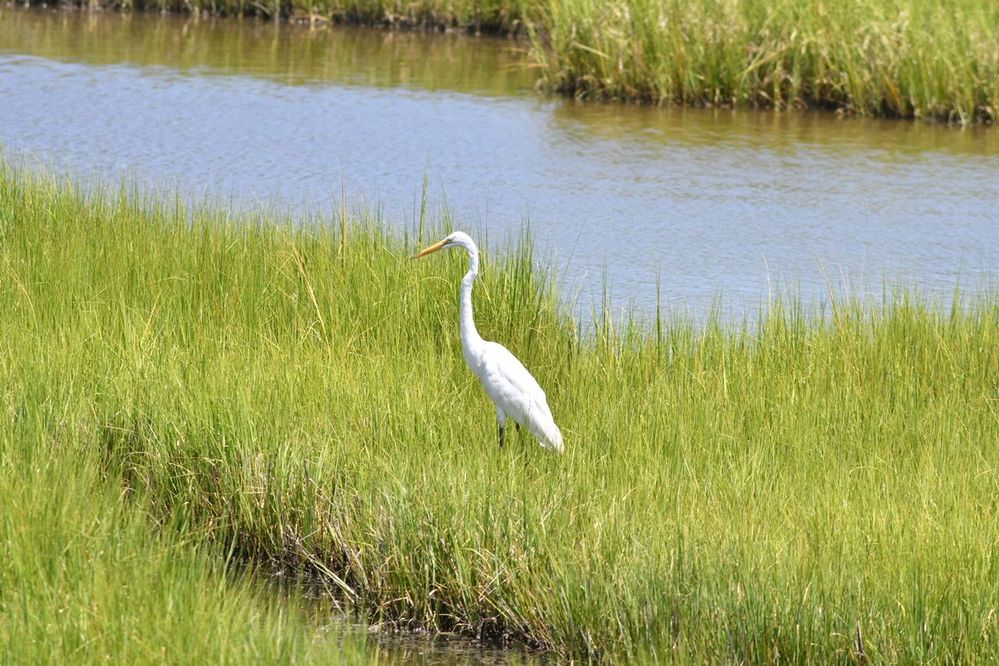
point(458, 238)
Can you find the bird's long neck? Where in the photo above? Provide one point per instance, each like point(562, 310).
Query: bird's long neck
point(470, 338)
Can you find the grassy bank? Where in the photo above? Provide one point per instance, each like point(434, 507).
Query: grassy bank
point(813, 491)
point(906, 58)
point(87, 575)
point(897, 58)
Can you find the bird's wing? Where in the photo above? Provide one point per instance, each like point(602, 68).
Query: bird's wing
point(519, 393)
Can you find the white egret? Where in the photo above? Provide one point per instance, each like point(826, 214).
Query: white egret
point(511, 387)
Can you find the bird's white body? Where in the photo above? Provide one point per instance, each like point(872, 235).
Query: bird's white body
point(514, 392)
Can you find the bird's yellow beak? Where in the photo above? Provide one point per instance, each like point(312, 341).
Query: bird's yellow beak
point(430, 250)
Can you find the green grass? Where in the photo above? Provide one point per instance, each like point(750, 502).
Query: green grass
point(88, 575)
point(905, 58)
point(295, 394)
point(898, 58)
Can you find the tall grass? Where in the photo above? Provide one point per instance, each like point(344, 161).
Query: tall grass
point(805, 490)
point(87, 575)
point(907, 58)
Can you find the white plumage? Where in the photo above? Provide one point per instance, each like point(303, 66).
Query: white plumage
point(514, 392)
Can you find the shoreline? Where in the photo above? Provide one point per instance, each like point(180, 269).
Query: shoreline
point(808, 64)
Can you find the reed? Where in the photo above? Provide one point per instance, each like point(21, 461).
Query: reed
point(902, 58)
point(804, 489)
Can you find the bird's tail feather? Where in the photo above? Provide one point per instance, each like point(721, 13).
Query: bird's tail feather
point(551, 437)
point(543, 426)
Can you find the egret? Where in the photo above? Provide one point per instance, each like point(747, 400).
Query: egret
point(514, 392)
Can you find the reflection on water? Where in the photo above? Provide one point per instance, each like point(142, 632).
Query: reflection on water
point(640, 125)
point(409, 648)
point(278, 52)
point(359, 642)
point(717, 203)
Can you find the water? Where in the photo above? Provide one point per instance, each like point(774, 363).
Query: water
point(710, 204)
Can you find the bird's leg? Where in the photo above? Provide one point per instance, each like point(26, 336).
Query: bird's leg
point(501, 421)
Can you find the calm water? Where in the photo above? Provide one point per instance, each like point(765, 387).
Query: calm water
point(719, 204)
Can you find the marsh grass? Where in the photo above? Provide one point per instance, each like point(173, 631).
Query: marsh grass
point(902, 58)
point(803, 489)
point(88, 575)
